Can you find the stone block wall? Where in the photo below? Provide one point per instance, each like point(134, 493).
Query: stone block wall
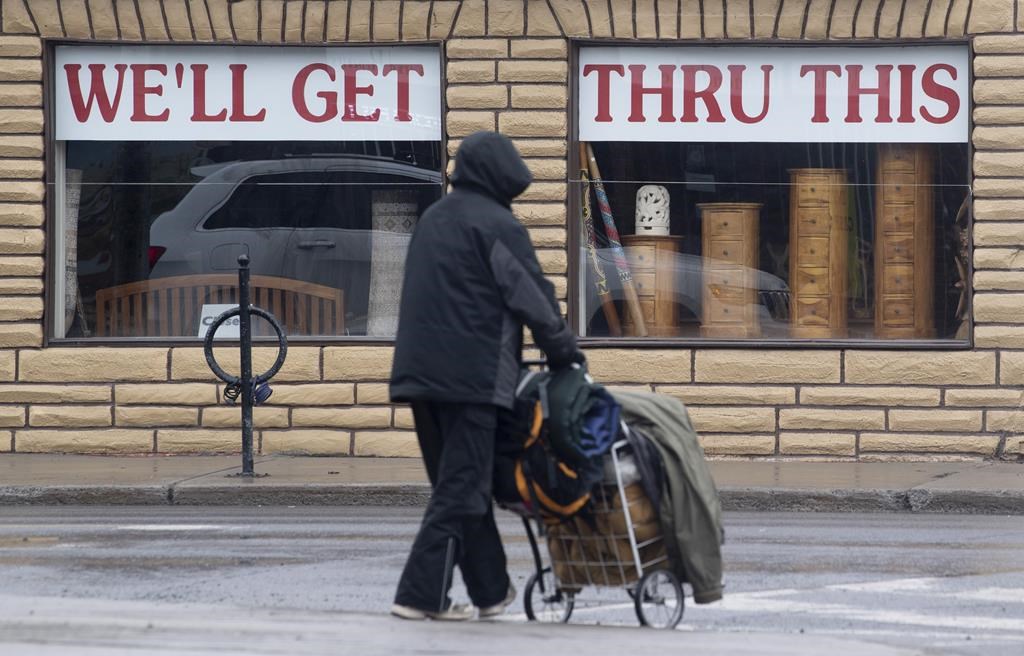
point(507, 69)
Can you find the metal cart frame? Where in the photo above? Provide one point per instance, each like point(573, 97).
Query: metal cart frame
point(598, 559)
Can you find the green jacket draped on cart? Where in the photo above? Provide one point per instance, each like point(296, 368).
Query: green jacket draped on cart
point(690, 511)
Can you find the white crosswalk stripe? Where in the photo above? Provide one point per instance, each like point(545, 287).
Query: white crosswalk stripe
point(922, 609)
point(896, 585)
point(851, 612)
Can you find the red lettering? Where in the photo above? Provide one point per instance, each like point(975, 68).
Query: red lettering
point(140, 90)
point(638, 91)
point(940, 92)
point(238, 97)
point(854, 91)
point(820, 73)
point(353, 90)
point(97, 92)
point(403, 70)
point(330, 98)
point(906, 93)
point(736, 93)
point(604, 75)
point(707, 95)
point(199, 114)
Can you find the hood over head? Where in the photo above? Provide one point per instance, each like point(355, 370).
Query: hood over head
point(490, 162)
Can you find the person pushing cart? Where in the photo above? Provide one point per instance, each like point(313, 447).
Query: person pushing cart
point(472, 281)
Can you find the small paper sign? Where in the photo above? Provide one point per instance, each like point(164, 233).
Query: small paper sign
point(209, 314)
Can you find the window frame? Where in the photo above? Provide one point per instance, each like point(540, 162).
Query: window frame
point(573, 242)
point(53, 162)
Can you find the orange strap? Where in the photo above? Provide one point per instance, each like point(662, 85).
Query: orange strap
point(538, 421)
point(568, 472)
point(545, 500)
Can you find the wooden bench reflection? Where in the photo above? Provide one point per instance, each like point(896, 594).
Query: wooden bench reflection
point(171, 307)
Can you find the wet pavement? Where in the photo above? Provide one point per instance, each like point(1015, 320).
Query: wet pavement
point(796, 583)
point(104, 628)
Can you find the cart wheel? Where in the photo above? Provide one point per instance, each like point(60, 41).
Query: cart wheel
point(549, 604)
point(658, 600)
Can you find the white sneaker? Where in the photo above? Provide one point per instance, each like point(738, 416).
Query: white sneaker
point(455, 613)
point(499, 608)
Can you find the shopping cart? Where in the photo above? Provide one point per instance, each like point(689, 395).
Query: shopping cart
point(617, 544)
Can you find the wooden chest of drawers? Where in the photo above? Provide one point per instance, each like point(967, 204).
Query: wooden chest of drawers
point(818, 236)
point(904, 243)
point(652, 261)
point(730, 251)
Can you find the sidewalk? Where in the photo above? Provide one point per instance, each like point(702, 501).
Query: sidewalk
point(958, 487)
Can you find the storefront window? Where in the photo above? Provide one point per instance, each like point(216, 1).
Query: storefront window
point(773, 193)
point(163, 181)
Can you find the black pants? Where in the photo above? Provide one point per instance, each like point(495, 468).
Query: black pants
point(457, 442)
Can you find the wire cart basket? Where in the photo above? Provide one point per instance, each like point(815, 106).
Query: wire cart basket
point(619, 544)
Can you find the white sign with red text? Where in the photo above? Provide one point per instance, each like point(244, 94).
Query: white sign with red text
point(906, 94)
point(194, 93)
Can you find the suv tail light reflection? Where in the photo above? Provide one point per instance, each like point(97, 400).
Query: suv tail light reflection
point(155, 253)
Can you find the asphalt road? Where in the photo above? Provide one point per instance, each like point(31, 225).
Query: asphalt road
point(84, 580)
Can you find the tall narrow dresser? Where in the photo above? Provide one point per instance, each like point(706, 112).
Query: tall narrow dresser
point(904, 243)
point(729, 235)
point(818, 236)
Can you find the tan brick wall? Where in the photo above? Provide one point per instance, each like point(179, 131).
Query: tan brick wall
point(507, 68)
point(106, 441)
point(196, 441)
point(999, 233)
point(307, 442)
point(385, 443)
point(156, 415)
point(69, 416)
point(738, 445)
point(817, 444)
point(228, 417)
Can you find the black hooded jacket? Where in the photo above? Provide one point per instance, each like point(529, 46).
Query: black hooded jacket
point(472, 281)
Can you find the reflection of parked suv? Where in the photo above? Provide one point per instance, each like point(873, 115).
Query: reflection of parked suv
point(771, 292)
point(305, 218)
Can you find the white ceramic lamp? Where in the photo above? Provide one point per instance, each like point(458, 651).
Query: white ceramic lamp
point(652, 211)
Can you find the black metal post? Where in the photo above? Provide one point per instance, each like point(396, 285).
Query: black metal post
point(245, 348)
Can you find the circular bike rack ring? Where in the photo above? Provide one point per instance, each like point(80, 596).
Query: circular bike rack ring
point(282, 346)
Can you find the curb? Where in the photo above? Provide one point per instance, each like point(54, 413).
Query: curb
point(299, 495)
point(987, 502)
point(804, 500)
point(914, 500)
point(85, 495)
